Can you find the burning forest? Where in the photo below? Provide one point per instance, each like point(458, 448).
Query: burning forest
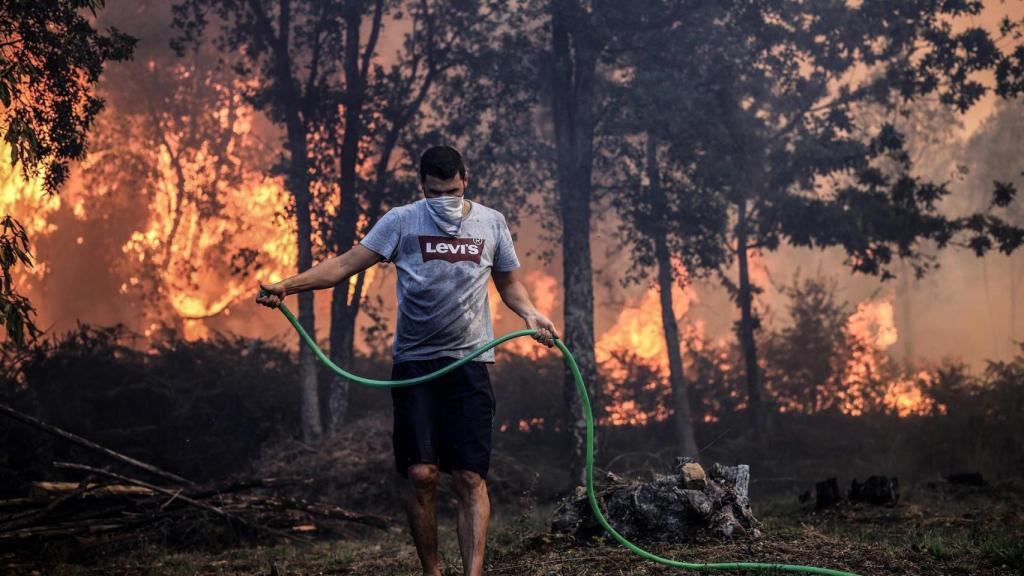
point(780, 244)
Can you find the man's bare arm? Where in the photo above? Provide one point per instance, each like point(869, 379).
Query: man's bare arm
point(326, 274)
point(513, 293)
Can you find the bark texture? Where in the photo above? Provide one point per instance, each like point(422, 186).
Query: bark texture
point(674, 508)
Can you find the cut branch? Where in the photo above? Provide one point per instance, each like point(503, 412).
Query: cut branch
point(178, 495)
point(12, 413)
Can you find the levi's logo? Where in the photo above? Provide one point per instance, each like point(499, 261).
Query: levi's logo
point(451, 249)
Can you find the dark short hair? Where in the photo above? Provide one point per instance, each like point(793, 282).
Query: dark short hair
point(441, 162)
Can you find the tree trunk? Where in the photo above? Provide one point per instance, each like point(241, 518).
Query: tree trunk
point(905, 303)
point(1014, 295)
point(748, 323)
point(574, 64)
point(299, 186)
point(682, 422)
point(344, 311)
point(343, 319)
point(297, 182)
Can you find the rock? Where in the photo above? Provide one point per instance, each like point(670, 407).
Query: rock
point(693, 477)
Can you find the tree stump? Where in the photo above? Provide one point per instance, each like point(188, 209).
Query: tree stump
point(877, 490)
point(675, 507)
point(827, 494)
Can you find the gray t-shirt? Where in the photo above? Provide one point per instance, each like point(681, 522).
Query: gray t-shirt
point(443, 307)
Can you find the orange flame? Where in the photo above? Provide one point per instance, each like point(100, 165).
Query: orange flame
point(543, 290)
point(639, 329)
point(27, 203)
point(871, 331)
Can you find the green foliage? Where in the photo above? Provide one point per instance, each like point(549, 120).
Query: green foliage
point(50, 59)
point(805, 357)
point(1003, 550)
point(15, 310)
point(742, 122)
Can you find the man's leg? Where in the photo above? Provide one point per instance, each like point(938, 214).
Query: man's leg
point(421, 510)
point(474, 512)
point(414, 441)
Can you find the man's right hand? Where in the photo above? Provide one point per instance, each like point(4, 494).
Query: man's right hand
point(271, 295)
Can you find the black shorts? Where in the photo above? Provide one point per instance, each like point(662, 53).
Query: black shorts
point(446, 421)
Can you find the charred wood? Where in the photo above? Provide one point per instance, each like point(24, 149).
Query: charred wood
point(675, 507)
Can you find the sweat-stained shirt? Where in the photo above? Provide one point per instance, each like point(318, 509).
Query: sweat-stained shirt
point(443, 307)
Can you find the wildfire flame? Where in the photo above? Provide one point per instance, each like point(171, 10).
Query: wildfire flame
point(639, 329)
point(29, 204)
point(543, 289)
point(871, 330)
point(195, 288)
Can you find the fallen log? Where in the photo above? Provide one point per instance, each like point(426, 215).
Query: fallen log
point(88, 444)
point(94, 489)
point(218, 511)
point(29, 517)
point(334, 512)
point(93, 515)
point(675, 507)
point(65, 529)
point(18, 502)
point(241, 485)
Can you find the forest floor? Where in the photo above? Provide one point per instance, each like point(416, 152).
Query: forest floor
point(944, 530)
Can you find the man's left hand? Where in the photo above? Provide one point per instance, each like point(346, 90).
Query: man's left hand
point(546, 332)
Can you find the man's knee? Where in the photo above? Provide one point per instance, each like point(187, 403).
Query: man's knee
point(467, 482)
point(423, 477)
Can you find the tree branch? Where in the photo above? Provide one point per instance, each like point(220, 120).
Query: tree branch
point(26, 419)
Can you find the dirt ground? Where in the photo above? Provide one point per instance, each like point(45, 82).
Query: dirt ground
point(943, 530)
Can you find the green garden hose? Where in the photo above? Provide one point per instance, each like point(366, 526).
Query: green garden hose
point(590, 446)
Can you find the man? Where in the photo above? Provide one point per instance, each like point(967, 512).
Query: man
point(444, 247)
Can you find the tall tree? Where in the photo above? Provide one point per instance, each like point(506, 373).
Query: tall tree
point(523, 108)
point(666, 219)
point(290, 50)
point(575, 47)
point(385, 106)
point(51, 57)
point(347, 143)
point(677, 225)
point(546, 105)
point(799, 165)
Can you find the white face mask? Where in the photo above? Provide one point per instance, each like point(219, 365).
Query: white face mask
point(447, 213)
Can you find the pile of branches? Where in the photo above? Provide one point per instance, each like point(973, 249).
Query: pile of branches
point(676, 507)
point(101, 508)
